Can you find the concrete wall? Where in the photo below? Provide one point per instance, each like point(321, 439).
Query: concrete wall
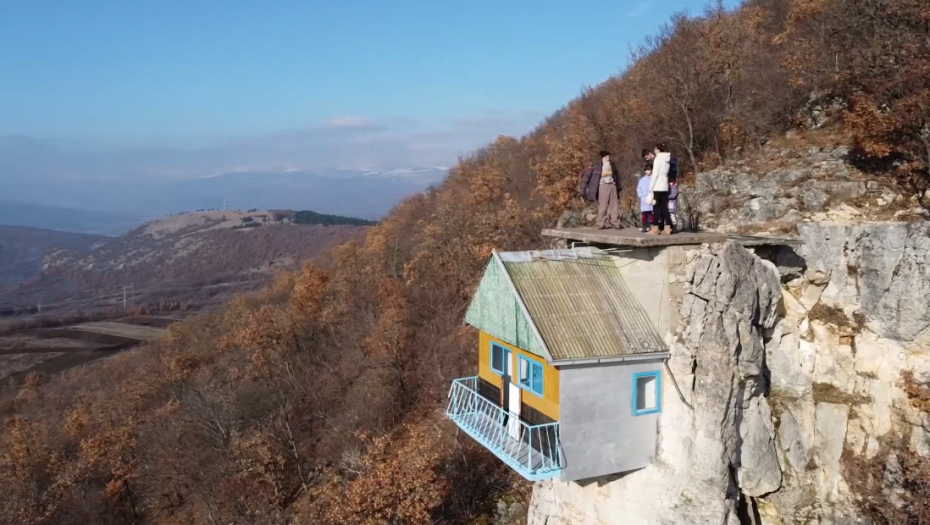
point(599, 433)
point(646, 272)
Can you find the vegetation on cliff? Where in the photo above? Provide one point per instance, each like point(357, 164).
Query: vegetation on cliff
point(318, 400)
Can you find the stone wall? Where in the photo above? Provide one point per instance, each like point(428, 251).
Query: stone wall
point(789, 368)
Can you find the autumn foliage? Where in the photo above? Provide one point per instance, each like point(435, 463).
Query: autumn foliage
point(319, 399)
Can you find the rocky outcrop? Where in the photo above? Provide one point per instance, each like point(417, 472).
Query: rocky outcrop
point(789, 367)
point(878, 272)
point(733, 296)
point(780, 188)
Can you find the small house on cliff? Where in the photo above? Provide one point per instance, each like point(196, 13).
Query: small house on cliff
point(570, 367)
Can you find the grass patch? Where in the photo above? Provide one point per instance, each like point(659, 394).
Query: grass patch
point(836, 317)
point(827, 393)
point(918, 394)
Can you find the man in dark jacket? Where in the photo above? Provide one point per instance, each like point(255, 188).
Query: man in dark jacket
point(649, 156)
point(600, 183)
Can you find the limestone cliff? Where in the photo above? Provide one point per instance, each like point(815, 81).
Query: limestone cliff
point(854, 321)
point(785, 185)
point(788, 365)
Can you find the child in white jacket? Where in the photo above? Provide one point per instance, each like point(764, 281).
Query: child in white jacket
point(642, 190)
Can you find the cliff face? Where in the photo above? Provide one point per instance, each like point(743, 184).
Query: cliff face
point(789, 366)
point(854, 321)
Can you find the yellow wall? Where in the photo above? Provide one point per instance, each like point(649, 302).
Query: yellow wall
point(549, 403)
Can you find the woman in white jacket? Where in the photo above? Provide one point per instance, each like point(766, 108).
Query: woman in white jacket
point(658, 186)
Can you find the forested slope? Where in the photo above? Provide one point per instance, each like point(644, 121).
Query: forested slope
point(319, 400)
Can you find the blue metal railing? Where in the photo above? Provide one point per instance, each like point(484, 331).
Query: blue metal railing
point(534, 451)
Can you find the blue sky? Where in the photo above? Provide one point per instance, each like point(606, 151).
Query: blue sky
point(169, 73)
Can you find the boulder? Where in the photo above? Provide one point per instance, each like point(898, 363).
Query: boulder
point(759, 472)
point(813, 196)
point(884, 268)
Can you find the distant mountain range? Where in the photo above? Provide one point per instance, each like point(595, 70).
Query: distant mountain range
point(128, 201)
point(13, 213)
point(317, 169)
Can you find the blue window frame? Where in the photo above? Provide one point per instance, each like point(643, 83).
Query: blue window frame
point(499, 358)
point(530, 375)
point(647, 393)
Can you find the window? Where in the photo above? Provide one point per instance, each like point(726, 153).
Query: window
point(499, 356)
point(531, 376)
point(647, 392)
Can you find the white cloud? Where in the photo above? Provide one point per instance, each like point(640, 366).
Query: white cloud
point(351, 142)
point(399, 155)
point(640, 8)
point(351, 122)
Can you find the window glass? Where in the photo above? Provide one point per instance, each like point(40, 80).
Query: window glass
point(537, 381)
point(497, 358)
point(530, 375)
point(524, 372)
point(646, 393)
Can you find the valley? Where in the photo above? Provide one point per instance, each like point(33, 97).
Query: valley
point(180, 262)
point(68, 299)
point(42, 352)
point(276, 367)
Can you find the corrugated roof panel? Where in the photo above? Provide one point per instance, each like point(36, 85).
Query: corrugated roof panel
point(583, 308)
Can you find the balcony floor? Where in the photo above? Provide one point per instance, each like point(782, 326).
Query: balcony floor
point(499, 441)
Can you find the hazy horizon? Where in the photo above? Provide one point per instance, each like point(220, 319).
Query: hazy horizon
point(154, 109)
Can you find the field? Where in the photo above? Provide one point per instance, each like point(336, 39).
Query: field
point(48, 351)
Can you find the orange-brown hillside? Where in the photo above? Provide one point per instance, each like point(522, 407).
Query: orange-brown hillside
point(319, 399)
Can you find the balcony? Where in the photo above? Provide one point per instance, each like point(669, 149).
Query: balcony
point(533, 451)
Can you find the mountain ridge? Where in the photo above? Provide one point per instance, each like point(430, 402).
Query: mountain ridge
point(192, 249)
point(346, 192)
point(65, 219)
point(22, 249)
point(320, 399)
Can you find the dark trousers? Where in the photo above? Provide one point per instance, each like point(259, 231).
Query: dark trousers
point(647, 219)
point(660, 210)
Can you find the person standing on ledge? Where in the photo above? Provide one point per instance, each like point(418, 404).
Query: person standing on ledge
point(642, 191)
point(600, 183)
point(658, 187)
point(649, 156)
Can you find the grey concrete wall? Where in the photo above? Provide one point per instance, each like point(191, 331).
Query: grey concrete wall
point(599, 433)
point(647, 274)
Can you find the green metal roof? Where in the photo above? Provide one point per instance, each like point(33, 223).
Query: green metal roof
point(495, 309)
point(573, 307)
